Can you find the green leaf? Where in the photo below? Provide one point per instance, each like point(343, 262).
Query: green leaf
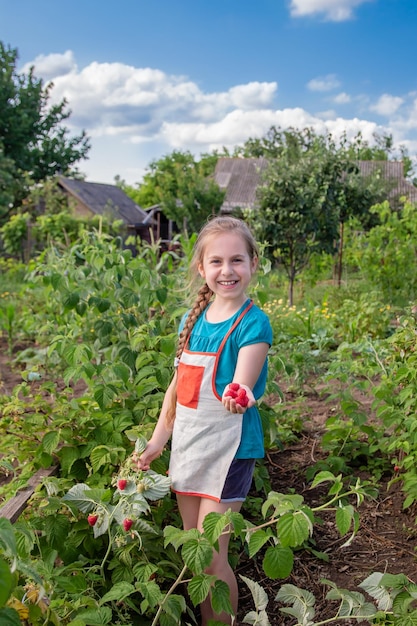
point(214, 524)
point(50, 441)
point(197, 554)
point(7, 537)
point(151, 592)
point(118, 592)
point(57, 529)
point(344, 516)
point(294, 528)
point(278, 562)
point(6, 582)
point(67, 456)
point(96, 617)
point(9, 617)
point(104, 395)
point(101, 455)
point(199, 587)
point(220, 597)
point(174, 605)
point(323, 477)
point(257, 540)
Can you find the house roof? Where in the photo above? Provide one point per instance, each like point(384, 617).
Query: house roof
point(392, 171)
point(240, 178)
point(103, 199)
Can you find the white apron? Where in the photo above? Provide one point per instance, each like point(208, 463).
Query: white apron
point(206, 436)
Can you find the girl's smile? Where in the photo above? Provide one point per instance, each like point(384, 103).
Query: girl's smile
point(227, 267)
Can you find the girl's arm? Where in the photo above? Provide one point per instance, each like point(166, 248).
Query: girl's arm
point(162, 431)
point(249, 365)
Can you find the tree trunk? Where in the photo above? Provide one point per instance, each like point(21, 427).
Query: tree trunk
point(340, 255)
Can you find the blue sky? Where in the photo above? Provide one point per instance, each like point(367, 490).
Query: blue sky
point(146, 77)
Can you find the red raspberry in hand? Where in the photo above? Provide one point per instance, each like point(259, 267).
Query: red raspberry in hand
point(234, 386)
point(121, 484)
point(127, 524)
point(91, 519)
point(242, 399)
point(231, 393)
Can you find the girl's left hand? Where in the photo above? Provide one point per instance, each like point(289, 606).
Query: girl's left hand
point(238, 398)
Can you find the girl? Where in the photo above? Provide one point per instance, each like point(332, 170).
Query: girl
point(216, 439)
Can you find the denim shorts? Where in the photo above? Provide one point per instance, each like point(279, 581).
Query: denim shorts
point(238, 480)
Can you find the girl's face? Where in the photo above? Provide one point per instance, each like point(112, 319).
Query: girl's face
point(227, 267)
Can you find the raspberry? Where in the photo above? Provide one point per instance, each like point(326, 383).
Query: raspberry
point(121, 484)
point(91, 519)
point(127, 524)
point(231, 393)
point(242, 401)
point(241, 393)
point(234, 386)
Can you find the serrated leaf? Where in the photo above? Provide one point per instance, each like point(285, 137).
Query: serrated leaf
point(7, 537)
point(118, 592)
point(278, 562)
point(151, 592)
point(259, 595)
point(344, 516)
point(199, 587)
point(156, 486)
point(100, 455)
point(50, 441)
point(220, 598)
point(323, 477)
point(197, 554)
point(256, 541)
point(174, 605)
point(294, 528)
point(96, 617)
point(213, 525)
point(104, 395)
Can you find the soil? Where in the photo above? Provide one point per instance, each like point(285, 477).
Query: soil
point(385, 542)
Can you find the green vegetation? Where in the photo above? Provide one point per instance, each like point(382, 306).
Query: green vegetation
point(101, 543)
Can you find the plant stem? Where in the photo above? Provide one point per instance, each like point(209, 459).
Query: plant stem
point(168, 593)
point(107, 553)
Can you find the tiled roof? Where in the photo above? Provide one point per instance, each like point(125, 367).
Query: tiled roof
point(392, 171)
point(240, 178)
point(103, 199)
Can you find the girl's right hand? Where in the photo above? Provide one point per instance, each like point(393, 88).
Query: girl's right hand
point(150, 453)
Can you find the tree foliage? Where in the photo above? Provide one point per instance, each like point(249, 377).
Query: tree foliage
point(35, 143)
point(312, 186)
point(183, 187)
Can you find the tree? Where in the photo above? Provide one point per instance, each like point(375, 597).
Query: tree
point(183, 187)
point(32, 133)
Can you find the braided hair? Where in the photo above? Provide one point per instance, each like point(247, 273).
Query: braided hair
point(215, 226)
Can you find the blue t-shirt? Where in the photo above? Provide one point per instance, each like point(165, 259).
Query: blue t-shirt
point(207, 337)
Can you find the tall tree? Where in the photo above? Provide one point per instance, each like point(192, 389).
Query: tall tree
point(32, 133)
point(183, 187)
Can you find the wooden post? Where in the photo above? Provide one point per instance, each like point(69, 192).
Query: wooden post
point(16, 505)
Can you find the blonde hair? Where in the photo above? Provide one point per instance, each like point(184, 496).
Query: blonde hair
point(216, 226)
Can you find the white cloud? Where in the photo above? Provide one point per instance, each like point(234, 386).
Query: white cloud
point(323, 83)
point(342, 98)
point(135, 115)
point(52, 65)
point(333, 10)
point(387, 105)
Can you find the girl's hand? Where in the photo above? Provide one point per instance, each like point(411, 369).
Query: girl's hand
point(238, 398)
point(150, 453)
